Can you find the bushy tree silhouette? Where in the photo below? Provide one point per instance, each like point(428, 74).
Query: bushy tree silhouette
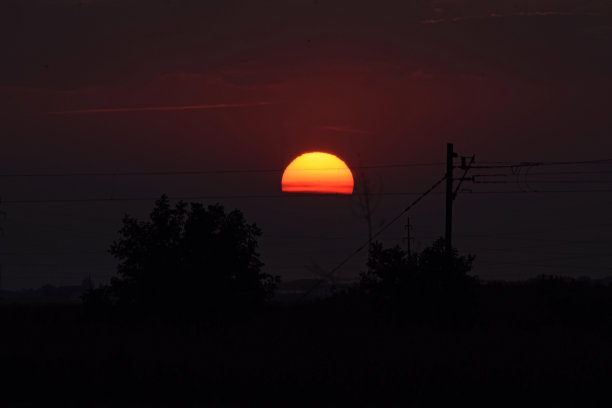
point(390, 271)
point(435, 270)
point(394, 275)
point(188, 260)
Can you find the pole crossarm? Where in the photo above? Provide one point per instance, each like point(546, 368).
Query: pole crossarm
point(463, 178)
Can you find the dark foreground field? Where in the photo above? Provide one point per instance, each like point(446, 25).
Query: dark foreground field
point(515, 344)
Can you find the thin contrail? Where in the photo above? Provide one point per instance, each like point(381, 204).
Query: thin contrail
point(499, 15)
point(346, 129)
point(159, 108)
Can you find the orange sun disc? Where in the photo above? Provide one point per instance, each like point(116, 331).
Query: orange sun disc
point(317, 172)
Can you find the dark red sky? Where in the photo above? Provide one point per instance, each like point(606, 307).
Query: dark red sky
point(374, 82)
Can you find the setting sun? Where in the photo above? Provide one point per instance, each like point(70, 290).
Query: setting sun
point(317, 172)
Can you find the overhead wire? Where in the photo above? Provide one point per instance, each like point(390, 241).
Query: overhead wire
point(554, 173)
point(203, 197)
point(486, 165)
point(467, 192)
point(201, 172)
point(547, 163)
point(375, 235)
point(544, 181)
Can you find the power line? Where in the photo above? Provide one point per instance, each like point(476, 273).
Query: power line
point(200, 172)
point(380, 231)
point(493, 165)
point(550, 163)
point(544, 181)
point(486, 165)
point(553, 173)
point(283, 196)
point(468, 193)
point(211, 197)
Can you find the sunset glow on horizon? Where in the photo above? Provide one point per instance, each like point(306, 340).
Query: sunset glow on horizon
point(317, 172)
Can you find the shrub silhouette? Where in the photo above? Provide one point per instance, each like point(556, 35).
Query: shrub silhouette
point(434, 269)
point(188, 260)
point(395, 276)
point(390, 271)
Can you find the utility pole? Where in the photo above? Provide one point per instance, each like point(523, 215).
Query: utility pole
point(451, 195)
point(2, 216)
point(448, 241)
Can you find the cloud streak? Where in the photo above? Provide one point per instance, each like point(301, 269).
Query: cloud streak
point(159, 108)
point(346, 129)
point(497, 15)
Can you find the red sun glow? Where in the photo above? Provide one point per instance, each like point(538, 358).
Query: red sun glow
point(317, 172)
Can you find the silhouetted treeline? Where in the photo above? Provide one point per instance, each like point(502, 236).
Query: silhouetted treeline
point(417, 330)
point(545, 340)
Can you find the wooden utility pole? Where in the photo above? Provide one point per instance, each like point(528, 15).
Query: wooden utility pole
point(448, 241)
point(451, 195)
point(2, 216)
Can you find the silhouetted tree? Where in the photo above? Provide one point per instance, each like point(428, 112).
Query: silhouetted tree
point(434, 269)
point(390, 271)
point(187, 260)
point(394, 275)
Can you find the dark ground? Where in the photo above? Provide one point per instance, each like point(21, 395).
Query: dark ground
point(543, 344)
